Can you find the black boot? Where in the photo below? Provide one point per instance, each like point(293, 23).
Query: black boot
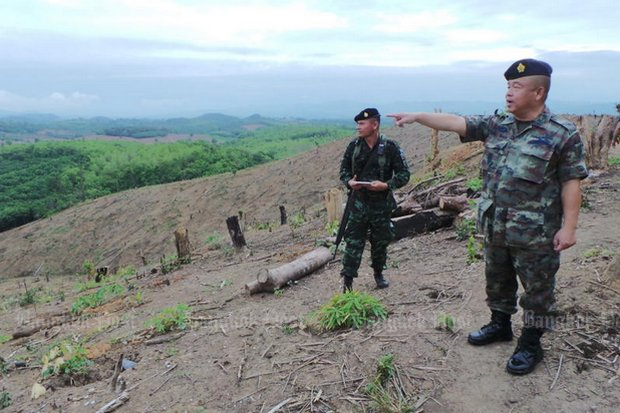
point(381, 282)
point(348, 284)
point(499, 329)
point(528, 353)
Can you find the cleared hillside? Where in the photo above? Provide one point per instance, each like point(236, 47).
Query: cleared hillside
point(117, 230)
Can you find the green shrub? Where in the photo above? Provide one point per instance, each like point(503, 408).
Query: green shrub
point(465, 228)
point(475, 184)
point(27, 298)
point(96, 299)
point(474, 249)
point(5, 400)
point(351, 309)
point(171, 318)
point(66, 358)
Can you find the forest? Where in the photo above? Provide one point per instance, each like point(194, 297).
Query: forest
point(41, 178)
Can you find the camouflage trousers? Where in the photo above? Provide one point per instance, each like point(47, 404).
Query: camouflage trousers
point(368, 220)
point(536, 269)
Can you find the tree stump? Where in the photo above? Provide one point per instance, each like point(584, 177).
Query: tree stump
point(234, 231)
point(181, 239)
point(283, 217)
point(333, 204)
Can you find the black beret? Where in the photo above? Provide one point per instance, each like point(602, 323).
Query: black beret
point(368, 113)
point(528, 67)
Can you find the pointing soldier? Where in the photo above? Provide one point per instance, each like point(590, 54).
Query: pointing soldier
point(531, 167)
point(372, 166)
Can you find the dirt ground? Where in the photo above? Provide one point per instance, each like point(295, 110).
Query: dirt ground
point(246, 353)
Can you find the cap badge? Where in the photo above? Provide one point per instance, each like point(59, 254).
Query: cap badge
point(365, 114)
point(521, 68)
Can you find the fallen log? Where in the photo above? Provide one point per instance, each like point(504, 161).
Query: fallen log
point(267, 280)
point(425, 221)
point(453, 203)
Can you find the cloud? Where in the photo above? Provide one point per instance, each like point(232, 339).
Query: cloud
point(56, 102)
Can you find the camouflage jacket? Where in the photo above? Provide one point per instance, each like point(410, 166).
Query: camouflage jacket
point(522, 175)
point(395, 169)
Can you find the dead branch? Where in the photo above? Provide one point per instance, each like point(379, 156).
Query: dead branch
point(114, 404)
point(117, 371)
point(163, 339)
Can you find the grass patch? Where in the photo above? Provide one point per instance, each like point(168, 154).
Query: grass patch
point(353, 309)
point(614, 160)
point(4, 338)
point(597, 252)
point(171, 318)
point(96, 299)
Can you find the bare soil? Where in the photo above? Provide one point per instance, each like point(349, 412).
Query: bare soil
point(250, 353)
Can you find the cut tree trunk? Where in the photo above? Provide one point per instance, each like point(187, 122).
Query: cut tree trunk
point(333, 204)
point(283, 217)
point(234, 230)
point(453, 203)
point(421, 222)
point(181, 239)
point(269, 280)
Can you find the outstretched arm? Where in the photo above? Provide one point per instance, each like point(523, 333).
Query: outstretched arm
point(441, 121)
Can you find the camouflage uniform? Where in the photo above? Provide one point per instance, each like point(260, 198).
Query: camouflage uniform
point(371, 210)
point(520, 210)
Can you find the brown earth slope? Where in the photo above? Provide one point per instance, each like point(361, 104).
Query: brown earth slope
point(251, 353)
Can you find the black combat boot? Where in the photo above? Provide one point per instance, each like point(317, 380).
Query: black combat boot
point(380, 280)
point(528, 353)
point(499, 329)
point(348, 284)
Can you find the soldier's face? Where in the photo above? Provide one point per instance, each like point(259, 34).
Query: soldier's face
point(523, 95)
point(366, 127)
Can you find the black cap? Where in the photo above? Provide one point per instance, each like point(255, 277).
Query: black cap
point(528, 67)
point(368, 113)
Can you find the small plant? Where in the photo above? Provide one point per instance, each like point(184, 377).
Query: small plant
point(614, 160)
point(597, 252)
point(332, 228)
point(474, 184)
point(225, 283)
point(352, 309)
point(126, 271)
point(385, 390)
point(169, 263)
point(473, 250)
point(27, 298)
point(263, 225)
point(278, 292)
point(66, 358)
point(138, 297)
point(445, 322)
point(172, 351)
point(89, 268)
point(297, 220)
point(4, 338)
point(385, 368)
point(5, 400)
point(97, 298)
point(171, 318)
point(214, 241)
point(287, 329)
point(464, 229)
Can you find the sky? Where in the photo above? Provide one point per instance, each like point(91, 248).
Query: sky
point(301, 58)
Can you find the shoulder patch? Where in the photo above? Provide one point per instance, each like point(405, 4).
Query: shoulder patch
point(565, 123)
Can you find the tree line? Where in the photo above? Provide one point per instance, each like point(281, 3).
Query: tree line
point(37, 180)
